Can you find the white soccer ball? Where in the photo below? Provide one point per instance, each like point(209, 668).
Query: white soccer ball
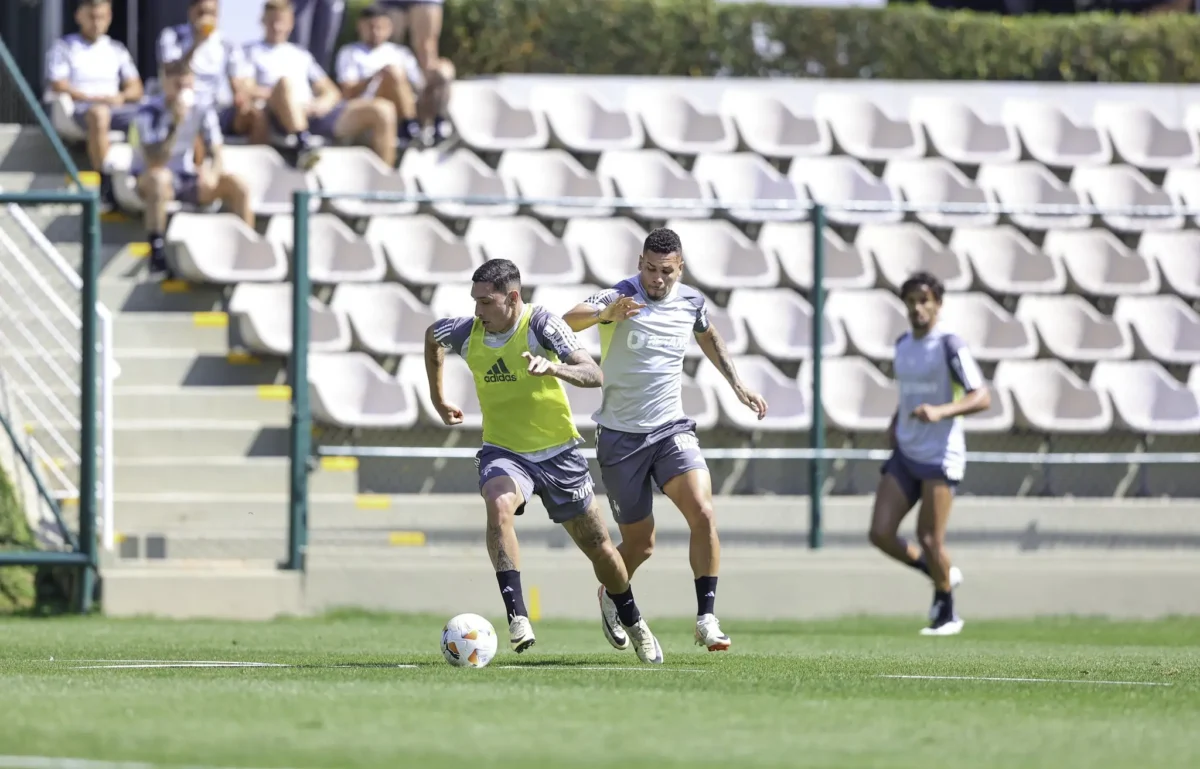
point(469, 641)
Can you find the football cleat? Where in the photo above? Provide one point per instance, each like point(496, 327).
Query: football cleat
point(611, 623)
point(520, 634)
point(948, 626)
point(708, 634)
point(644, 643)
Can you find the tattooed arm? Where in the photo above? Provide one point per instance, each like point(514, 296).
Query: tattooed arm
point(714, 349)
point(578, 369)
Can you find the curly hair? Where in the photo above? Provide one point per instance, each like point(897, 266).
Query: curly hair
point(662, 241)
point(928, 279)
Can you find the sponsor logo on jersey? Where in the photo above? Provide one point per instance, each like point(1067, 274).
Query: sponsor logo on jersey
point(637, 340)
point(499, 373)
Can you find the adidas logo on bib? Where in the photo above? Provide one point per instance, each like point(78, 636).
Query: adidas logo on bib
point(499, 373)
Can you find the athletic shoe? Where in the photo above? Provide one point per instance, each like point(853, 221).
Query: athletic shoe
point(708, 633)
point(951, 625)
point(520, 634)
point(645, 644)
point(611, 623)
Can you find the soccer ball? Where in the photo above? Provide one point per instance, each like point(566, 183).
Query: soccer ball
point(469, 641)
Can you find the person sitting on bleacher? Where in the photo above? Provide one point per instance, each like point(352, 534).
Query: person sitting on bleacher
point(301, 99)
point(421, 22)
point(99, 76)
point(375, 66)
point(222, 76)
point(163, 135)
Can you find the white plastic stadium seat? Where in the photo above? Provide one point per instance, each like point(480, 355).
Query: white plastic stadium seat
point(770, 127)
point(1099, 264)
point(452, 300)
point(988, 329)
point(732, 329)
point(840, 179)
point(863, 130)
point(1029, 185)
point(1052, 399)
point(457, 173)
point(740, 177)
point(998, 417)
point(488, 121)
point(548, 174)
point(561, 299)
point(873, 319)
point(1121, 187)
point(262, 313)
point(958, 134)
point(541, 257)
point(1075, 331)
point(457, 383)
point(1177, 255)
point(937, 181)
point(643, 175)
point(386, 318)
point(1194, 379)
point(780, 322)
point(359, 170)
point(1142, 139)
point(789, 408)
point(677, 124)
point(1146, 399)
point(608, 247)
point(336, 254)
point(792, 245)
point(221, 248)
point(1051, 137)
point(857, 398)
point(899, 250)
point(700, 404)
point(1164, 327)
point(352, 390)
point(1006, 262)
point(719, 256)
point(1183, 186)
point(421, 250)
point(583, 122)
point(271, 181)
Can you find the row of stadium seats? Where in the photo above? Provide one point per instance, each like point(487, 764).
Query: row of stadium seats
point(351, 390)
point(419, 250)
point(765, 120)
point(387, 319)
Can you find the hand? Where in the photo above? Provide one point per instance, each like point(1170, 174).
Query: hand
point(538, 366)
point(622, 309)
point(450, 414)
point(113, 101)
point(206, 25)
point(927, 414)
point(753, 400)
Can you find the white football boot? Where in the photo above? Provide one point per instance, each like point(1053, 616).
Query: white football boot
point(942, 622)
point(956, 579)
point(644, 643)
point(708, 634)
point(520, 634)
point(611, 623)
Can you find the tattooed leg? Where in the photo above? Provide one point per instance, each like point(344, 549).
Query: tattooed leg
point(591, 535)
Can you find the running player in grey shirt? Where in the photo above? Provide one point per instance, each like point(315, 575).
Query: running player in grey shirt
point(642, 433)
point(940, 383)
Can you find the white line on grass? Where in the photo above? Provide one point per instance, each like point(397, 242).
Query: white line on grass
point(56, 762)
point(150, 665)
point(1028, 680)
point(600, 667)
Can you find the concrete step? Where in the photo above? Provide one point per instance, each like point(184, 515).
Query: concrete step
point(137, 439)
point(228, 475)
point(126, 295)
point(24, 181)
point(268, 406)
point(186, 368)
point(205, 333)
point(220, 511)
point(26, 149)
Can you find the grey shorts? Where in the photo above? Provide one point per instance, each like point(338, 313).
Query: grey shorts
point(122, 116)
point(318, 126)
point(910, 474)
point(563, 481)
point(630, 461)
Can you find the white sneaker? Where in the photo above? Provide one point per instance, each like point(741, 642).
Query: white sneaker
point(645, 644)
point(520, 634)
point(952, 626)
point(708, 633)
point(611, 623)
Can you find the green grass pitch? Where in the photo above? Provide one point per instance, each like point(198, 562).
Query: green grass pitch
point(787, 695)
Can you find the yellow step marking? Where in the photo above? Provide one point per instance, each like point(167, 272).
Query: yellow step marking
point(89, 179)
point(69, 501)
point(210, 320)
point(535, 604)
point(408, 539)
point(274, 393)
point(31, 427)
point(339, 464)
point(372, 501)
point(114, 217)
point(118, 538)
point(175, 286)
point(241, 359)
point(139, 250)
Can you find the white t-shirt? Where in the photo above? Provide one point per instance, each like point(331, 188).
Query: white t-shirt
point(153, 123)
point(214, 62)
point(96, 69)
point(271, 63)
point(357, 62)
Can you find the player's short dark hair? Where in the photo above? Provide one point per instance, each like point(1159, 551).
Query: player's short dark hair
point(501, 274)
point(93, 3)
point(923, 278)
point(373, 11)
point(662, 241)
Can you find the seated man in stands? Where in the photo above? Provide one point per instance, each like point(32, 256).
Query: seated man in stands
point(99, 75)
point(421, 21)
point(222, 77)
point(164, 135)
point(302, 100)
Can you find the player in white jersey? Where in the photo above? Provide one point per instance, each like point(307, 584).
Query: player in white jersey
point(643, 435)
point(940, 383)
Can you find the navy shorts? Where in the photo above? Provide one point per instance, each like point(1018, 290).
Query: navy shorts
point(563, 481)
point(122, 116)
point(318, 126)
point(226, 117)
point(910, 474)
point(630, 461)
point(187, 186)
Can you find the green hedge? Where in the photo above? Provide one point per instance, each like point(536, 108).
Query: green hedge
point(705, 38)
point(18, 592)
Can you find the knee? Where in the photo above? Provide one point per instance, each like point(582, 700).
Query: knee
point(880, 538)
point(703, 519)
point(930, 542)
point(99, 117)
point(501, 507)
point(383, 116)
point(159, 183)
point(639, 548)
point(233, 186)
point(392, 75)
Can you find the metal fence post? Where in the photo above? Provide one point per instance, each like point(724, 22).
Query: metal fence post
point(88, 402)
point(301, 427)
point(817, 433)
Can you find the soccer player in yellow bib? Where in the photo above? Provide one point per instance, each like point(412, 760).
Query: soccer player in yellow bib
point(520, 355)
